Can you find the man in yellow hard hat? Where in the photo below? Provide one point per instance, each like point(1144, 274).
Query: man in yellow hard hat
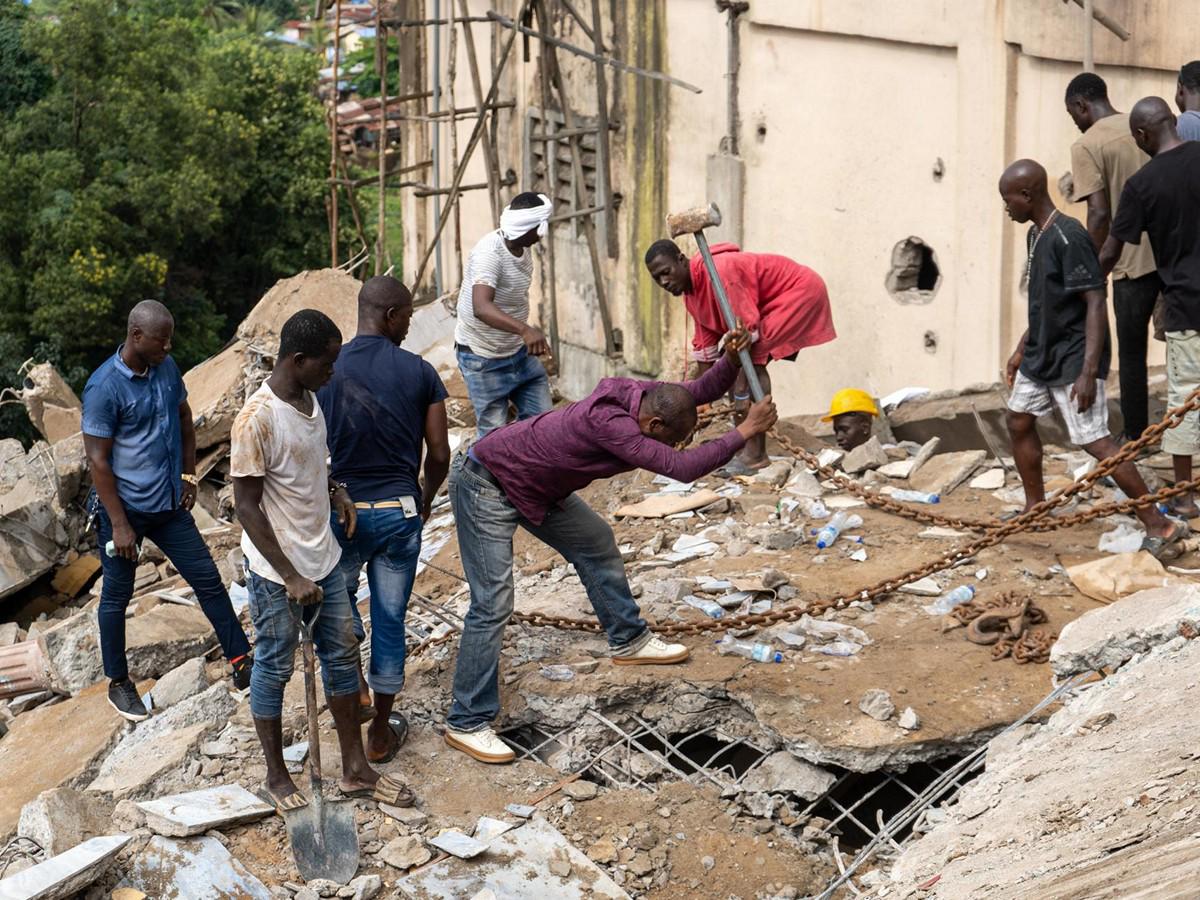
point(851, 413)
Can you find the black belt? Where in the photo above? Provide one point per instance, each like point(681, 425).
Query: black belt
point(477, 468)
point(465, 349)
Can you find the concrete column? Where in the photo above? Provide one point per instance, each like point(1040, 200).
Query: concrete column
point(726, 186)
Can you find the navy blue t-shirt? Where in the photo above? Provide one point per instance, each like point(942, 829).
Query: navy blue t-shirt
point(375, 407)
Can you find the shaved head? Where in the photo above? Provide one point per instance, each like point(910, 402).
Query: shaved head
point(1148, 112)
point(1023, 189)
point(149, 315)
point(381, 293)
point(1024, 174)
point(1153, 125)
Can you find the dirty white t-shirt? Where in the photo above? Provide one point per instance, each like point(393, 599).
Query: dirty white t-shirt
point(276, 442)
point(492, 264)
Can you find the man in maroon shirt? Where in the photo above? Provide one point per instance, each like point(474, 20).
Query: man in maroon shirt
point(525, 474)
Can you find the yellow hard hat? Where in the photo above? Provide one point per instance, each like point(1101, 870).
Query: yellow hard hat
point(849, 400)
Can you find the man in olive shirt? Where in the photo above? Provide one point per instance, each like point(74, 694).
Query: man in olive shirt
point(1102, 160)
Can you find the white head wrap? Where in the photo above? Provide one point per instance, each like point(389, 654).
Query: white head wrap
point(515, 223)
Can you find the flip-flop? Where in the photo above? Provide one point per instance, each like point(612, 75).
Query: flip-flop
point(1158, 547)
point(398, 725)
point(293, 801)
point(366, 713)
point(387, 790)
point(735, 467)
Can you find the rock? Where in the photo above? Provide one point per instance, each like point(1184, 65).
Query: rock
point(185, 680)
point(62, 818)
point(581, 790)
point(899, 469)
point(560, 867)
point(777, 538)
point(409, 816)
point(307, 893)
point(365, 887)
point(922, 587)
point(324, 887)
point(830, 456)
point(128, 816)
point(707, 862)
point(217, 749)
point(991, 480)
point(196, 812)
point(640, 865)
point(72, 578)
point(68, 738)
point(67, 874)
point(458, 844)
point(602, 851)
point(781, 771)
point(488, 829)
point(405, 852)
point(195, 867)
point(10, 633)
point(162, 742)
point(943, 473)
point(53, 408)
point(804, 484)
point(877, 704)
point(773, 578)
point(909, 720)
point(1112, 635)
point(865, 456)
point(774, 474)
point(923, 456)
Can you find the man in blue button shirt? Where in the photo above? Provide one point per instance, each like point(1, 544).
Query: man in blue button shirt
point(381, 406)
point(141, 443)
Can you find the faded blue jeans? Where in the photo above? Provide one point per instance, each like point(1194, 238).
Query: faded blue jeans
point(486, 522)
point(492, 383)
point(277, 626)
point(389, 544)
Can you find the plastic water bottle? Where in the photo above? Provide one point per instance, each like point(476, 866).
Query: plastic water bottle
point(915, 497)
point(728, 646)
point(710, 608)
point(964, 593)
point(835, 526)
point(557, 673)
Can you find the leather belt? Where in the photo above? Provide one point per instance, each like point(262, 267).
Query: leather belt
point(477, 468)
point(465, 349)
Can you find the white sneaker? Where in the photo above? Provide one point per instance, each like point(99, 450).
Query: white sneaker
point(654, 653)
point(483, 745)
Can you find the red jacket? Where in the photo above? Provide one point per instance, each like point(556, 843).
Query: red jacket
point(783, 304)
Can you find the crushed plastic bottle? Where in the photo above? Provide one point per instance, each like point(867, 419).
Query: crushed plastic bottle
point(710, 608)
point(728, 646)
point(814, 508)
point(915, 497)
point(557, 673)
point(943, 604)
point(837, 648)
point(828, 533)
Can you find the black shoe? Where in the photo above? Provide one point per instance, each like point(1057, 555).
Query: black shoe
point(241, 673)
point(123, 697)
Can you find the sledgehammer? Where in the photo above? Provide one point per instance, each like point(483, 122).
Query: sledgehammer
point(693, 222)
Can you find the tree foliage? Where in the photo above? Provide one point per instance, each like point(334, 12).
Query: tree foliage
point(149, 155)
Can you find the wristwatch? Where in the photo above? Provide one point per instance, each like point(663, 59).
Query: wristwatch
point(335, 486)
point(190, 479)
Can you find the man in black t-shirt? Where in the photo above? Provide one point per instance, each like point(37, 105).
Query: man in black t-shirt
point(1163, 200)
point(1062, 359)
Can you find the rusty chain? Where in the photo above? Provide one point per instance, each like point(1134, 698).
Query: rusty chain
point(1036, 519)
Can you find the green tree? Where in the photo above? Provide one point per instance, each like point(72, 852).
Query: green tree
point(164, 159)
point(23, 78)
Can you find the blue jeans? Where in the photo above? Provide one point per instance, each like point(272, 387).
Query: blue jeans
point(174, 531)
point(277, 623)
point(492, 383)
point(389, 544)
point(486, 522)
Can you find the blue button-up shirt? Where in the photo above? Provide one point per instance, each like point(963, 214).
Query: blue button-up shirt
point(141, 415)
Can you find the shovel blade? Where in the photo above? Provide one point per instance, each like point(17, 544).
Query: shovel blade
point(324, 840)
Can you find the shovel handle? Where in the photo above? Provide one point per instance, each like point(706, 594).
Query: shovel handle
point(310, 702)
point(756, 390)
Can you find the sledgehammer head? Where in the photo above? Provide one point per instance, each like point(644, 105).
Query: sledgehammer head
point(691, 221)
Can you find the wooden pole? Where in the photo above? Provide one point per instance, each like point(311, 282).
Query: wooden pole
point(451, 75)
point(489, 151)
point(550, 155)
point(333, 138)
point(1089, 54)
point(604, 193)
point(382, 142)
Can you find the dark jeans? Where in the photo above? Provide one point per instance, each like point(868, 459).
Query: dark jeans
point(486, 521)
point(174, 531)
point(1133, 307)
point(492, 383)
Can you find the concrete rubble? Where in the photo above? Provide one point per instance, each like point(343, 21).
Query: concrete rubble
point(66, 874)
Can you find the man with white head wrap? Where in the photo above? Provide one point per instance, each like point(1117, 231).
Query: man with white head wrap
point(495, 343)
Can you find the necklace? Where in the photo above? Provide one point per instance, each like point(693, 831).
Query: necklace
point(1041, 229)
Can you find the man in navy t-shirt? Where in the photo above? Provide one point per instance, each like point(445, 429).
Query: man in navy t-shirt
point(381, 405)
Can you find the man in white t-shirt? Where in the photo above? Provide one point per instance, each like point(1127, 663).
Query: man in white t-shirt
point(282, 493)
point(496, 344)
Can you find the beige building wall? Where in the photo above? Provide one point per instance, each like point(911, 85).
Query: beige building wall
point(848, 107)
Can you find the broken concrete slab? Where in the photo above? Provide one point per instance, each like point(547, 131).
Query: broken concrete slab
point(458, 844)
point(658, 506)
point(991, 480)
point(783, 772)
point(185, 680)
point(67, 874)
point(10, 633)
point(72, 578)
point(69, 737)
point(405, 851)
point(804, 484)
point(925, 454)
point(62, 818)
point(162, 742)
point(946, 471)
point(869, 455)
point(877, 704)
point(774, 474)
point(517, 864)
point(193, 869)
point(182, 815)
point(54, 409)
point(901, 468)
point(1112, 635)
point(32, 537)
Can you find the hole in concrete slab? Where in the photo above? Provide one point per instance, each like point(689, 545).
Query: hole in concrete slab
point(914, 276)
point(857, 800)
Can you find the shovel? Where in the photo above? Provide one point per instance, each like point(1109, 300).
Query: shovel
point(323, 835)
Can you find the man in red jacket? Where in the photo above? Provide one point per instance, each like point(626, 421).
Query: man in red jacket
point(783, 305)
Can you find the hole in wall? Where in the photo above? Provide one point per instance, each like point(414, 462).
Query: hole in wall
point(931, 342)
point(761, 131)
point(914, 276)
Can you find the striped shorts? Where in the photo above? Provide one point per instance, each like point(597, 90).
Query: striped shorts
point(1036, 399)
